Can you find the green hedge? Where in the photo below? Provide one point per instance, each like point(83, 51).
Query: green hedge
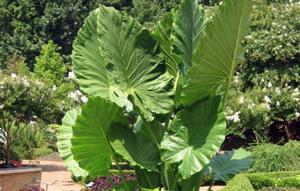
point(258, 181)
point(273, 158)
point(238, 183)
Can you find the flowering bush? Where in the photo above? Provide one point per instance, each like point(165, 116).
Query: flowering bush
point(25, 98)
point(272, 96)
point(27, 105)
point(115, 182)
point(275, 34)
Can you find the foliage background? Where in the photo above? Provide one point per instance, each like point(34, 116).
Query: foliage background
point(36, 40)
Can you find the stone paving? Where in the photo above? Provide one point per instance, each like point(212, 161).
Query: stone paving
point(55, 176)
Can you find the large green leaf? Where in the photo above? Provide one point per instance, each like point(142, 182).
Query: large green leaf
point(178, 34)
point(225, 166)
point(64, 145)
point(219, 51)
point(162, 34)
point(90, 146)
point(135, 148)
point(194, 136)
point(89, 65)
point(114, 57)
point(187, 27)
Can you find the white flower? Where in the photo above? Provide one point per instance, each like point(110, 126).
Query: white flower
point(235, 79)
point(251, 106)
point(266, 106)
point(32, 122)
point(297, 114)
point(54, 88)
point(295, 92)
point(13, 75)
point(235, 117)
point(277, 103)
point(89, 184)
point(267, 99)
point(71, 75)
point(241, 100)
point(269, 85)
point(84, 99)
point(1, 106)
point(26, 83)
point(73, 96)
point(78, 92)
point(277, 90)
point(296, 99)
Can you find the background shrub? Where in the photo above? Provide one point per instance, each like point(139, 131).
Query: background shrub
point(266, 88)
point(275, 181)
point(31, 105)
point(238, 183)
point(50, 65)
point(39, 34)
point(274, 33)
point(270, 158)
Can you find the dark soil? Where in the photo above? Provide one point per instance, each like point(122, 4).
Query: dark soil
point(7, 166)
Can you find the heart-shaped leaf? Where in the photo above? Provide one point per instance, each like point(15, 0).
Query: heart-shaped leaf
point(194, 136)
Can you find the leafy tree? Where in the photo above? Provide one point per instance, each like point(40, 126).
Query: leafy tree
point(149, 12)
point(50, 65)
point(157, 99)
point(26, 25)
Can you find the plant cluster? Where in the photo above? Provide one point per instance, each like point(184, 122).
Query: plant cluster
point(27, 103)
point(240, 182)
point(28, 25)
point(115, 182)
point(281, 181)
point(270, 158)
point(265, 91)
point(50, 65)
point(274, 33)
point(272, 98)
point(156, 98)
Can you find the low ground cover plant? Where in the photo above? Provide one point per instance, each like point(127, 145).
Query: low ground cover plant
point(272, 158)
point(265, 181)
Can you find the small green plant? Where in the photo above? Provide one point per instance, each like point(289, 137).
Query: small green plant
point(271, 158)
point(155, 98)
point(50, 65)
point(240, 182)
point(281, 181)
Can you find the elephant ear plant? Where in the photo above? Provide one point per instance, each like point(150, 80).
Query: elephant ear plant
point(156, 98)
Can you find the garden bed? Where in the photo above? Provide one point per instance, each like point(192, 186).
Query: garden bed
point(276, 181)
point(23, 178)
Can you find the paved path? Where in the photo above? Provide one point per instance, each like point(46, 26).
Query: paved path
point(214, 188)
point(57, 177)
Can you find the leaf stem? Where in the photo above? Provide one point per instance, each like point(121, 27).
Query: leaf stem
point(210, 186)
point(120, 171)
